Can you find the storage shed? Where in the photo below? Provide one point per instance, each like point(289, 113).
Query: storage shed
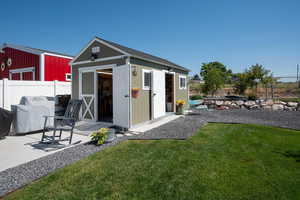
point(124, 86)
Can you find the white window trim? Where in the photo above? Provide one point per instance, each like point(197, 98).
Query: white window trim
point(143, 78)
point(66, 75)
point(21, 71)
point(180, 77)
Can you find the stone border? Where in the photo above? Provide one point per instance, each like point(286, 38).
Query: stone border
point(252, 105)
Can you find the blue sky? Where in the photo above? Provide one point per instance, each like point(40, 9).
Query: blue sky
point(236, 33)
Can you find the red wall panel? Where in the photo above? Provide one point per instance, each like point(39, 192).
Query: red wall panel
point(27, 76)
point(16, 76)
point(20, 59)
point(56, 68)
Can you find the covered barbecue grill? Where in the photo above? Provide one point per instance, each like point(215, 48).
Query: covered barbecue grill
point(6, 118)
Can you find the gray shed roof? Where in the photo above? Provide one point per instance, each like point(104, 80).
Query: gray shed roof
point(143, 55)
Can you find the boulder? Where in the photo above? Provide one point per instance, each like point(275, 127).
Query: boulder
point(227, 103)
point(223, 108)
point(298, 108)
point(249, 103)
point(239, 103)
point(234, 106)
point(292, 104)
point(219, 103)
point(282, 103)
point(254, 107)
point(267, 107)
point(269, 102)
point(287, 108)
point(277, 107)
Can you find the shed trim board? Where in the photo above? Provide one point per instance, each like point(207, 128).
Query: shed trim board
point(97, 60)
point(95, 99)
point(42, 67)
point(174, 88)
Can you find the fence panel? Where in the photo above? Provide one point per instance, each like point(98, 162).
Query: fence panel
point(13, 91)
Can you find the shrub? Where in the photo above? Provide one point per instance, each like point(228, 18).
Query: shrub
point(196, 97)
point(100, 136)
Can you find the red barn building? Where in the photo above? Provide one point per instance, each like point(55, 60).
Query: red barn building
point(26, 63)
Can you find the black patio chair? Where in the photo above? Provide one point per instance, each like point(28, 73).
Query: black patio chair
point(63, 123)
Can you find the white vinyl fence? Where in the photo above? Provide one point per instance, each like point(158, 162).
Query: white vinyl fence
point(11, 91)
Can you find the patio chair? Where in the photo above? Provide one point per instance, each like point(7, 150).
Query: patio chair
point(63, 123)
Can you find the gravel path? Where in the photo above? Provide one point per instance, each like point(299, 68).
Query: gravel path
point(181, 128)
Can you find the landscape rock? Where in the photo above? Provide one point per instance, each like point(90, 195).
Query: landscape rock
point(269, 102)
point(292, 104)
point(227, 103)
point(249, 103)
point(219, 103)
point(287, 108)
point(277, 107)
point(282, 103)
point(223, 108)
point(267, 107)
point(254, 107)
point(240, 103)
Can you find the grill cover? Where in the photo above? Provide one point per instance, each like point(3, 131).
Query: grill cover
point(6, 118)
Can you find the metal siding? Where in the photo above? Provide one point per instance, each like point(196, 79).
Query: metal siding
point(56, 68)
point(20, 59)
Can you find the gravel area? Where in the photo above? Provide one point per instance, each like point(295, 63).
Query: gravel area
point(181, 128)
point(283, 119)
point(14, 178)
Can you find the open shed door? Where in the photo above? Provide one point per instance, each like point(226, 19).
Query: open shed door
point(121, 96)
point(158, 94)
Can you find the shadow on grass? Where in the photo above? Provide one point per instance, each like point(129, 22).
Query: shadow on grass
point(292, 154)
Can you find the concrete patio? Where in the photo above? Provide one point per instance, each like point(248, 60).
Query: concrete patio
point(17, 150)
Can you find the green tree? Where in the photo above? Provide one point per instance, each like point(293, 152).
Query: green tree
point(240, 83)
point(215, 75)
point(269, 81)
point(256, 74)
point(216, 65)
point(213, 80)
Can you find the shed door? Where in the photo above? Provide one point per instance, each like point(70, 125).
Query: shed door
point(87, 95)
point(158, 94)
point(121, 96)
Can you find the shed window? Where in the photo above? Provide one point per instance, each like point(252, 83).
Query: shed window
point(146, 79)
point(182, 82)
point(68, 77)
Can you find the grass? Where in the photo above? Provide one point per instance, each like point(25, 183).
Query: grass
point(290, 99)
point(222, 161)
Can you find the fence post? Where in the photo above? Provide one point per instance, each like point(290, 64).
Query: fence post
point(55, 87)
point(5, 94)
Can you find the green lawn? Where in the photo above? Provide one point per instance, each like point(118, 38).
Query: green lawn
point(290, 99)
point(220, 162)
